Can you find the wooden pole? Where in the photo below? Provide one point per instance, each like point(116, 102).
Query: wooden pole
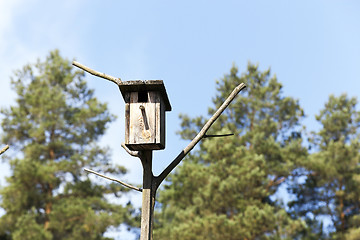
point(148, 197)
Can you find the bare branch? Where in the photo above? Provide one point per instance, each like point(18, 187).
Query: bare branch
point(220, 135)
point(4, 149)
point(113, 179)
point(276, 181)
point(132, 153)
point(199, 136)
point(115, 80)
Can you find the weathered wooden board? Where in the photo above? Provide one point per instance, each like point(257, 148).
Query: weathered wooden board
point(145, 121)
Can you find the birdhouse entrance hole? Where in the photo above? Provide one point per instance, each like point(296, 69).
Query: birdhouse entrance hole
point(143, 96)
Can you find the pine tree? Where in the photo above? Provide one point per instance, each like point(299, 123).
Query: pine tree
point(54, 127)
point(224, 190)
point(331, 188)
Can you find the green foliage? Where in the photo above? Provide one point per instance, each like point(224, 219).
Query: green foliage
point(28, 229)
point(331, 188)
point(224, 189)
point(55, 125)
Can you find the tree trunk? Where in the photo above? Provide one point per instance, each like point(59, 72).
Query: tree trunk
point(48, 205)
point(49, 194)
point(342, 212)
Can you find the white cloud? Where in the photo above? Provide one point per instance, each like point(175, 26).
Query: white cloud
point(29, 30)
point(7, 9)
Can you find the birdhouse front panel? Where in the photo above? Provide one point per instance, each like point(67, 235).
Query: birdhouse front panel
point(146, 123)
point(142, 119)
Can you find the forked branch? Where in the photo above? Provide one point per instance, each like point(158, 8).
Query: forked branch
point(115, 80)
point(4, 149)
point(113, 179)
point(199, 136)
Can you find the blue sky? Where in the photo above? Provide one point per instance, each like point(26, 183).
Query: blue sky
point(312, 46)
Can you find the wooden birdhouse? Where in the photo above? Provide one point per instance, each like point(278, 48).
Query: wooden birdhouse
point(145, 106)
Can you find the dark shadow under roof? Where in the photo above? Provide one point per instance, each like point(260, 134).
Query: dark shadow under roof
point(146, 85)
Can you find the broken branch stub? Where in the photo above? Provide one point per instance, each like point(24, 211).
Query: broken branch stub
point(113, 179)
point(115, 80)
point(218, 135)
point(132, 153)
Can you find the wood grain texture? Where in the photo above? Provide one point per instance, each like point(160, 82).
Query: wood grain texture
point(145, 122)
point(148, 197)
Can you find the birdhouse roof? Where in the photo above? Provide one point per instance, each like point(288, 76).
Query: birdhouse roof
point(146, 85)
